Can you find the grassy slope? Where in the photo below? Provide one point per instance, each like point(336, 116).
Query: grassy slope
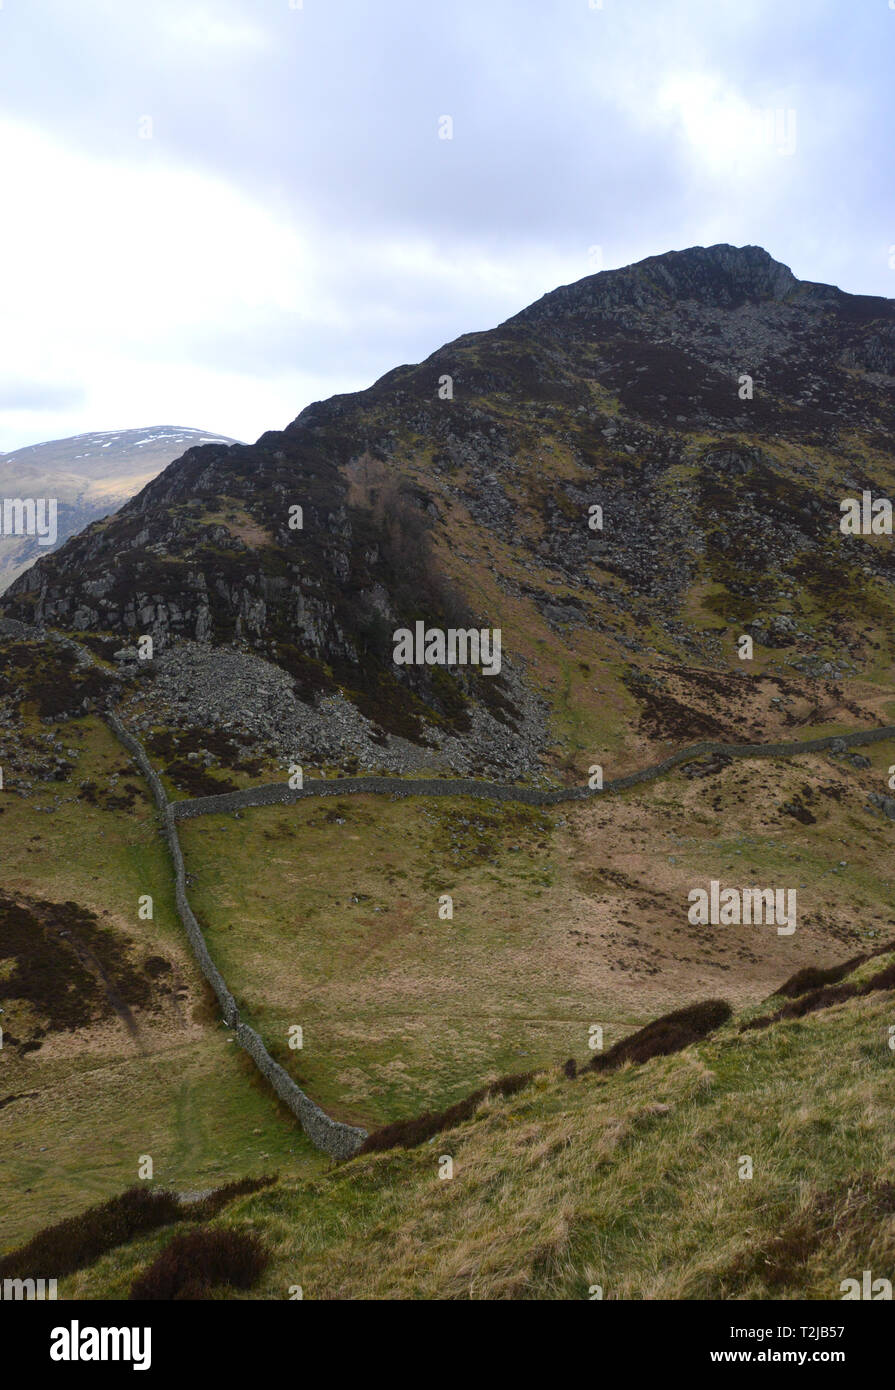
point(626, 1180)
point(183, 1094)
point(561, 919)
point(584, 922)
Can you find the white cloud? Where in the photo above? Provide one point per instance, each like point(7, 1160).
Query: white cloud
point(295, 228)
point(205, 26)
point(123, 279)
point(106, 265)
point(726, 136)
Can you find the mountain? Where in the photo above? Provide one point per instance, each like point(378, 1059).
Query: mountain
point(89, 475)
point(458, 492)
point(514, 980)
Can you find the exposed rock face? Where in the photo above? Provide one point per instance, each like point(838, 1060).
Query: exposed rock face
point(88, 476)
point(885, 804)
point(725, 277)
point(458, 491)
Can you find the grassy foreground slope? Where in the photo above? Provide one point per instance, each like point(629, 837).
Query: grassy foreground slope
point(563, 918)
point(627, 1180)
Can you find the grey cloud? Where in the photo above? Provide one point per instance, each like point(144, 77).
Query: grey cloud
point(332, 127)
point(40, 395)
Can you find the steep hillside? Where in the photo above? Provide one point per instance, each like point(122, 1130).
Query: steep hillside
point(753, 1164)
point(89, 476)
point(459, 492)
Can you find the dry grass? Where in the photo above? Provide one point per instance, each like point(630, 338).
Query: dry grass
point(561, 920)
point(629, 1180)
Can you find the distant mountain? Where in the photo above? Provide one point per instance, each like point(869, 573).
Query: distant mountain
point(718, 411)
point(89, 475)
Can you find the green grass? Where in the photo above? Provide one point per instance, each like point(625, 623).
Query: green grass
point(184, 1095)
point(398, 1007)
point(629, 1181)
point(403, 1012)
point(562, 918)
point(198, 1110)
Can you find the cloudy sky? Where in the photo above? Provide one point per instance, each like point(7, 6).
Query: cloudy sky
point(217, 211)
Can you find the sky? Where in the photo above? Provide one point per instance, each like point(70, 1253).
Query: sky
point(217, 211)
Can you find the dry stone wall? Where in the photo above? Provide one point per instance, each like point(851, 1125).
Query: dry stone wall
point(279, 793)
point(339, 1140)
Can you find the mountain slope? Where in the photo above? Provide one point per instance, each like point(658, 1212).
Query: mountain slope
point(89, 475)
point(460, 491)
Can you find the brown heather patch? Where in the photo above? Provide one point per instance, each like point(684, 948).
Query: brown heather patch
point(49, 678)
point(407, 1134)
point(194, 780)
point(174, 746)
point(192, 1265)
point(816, 977)
point(81, 1240)
point(831, 994)
point(69, 1245)
point(671, 1033)
point(68, 966)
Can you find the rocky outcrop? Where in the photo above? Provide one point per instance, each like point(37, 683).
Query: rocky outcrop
point(886, 804)
point(620, 391)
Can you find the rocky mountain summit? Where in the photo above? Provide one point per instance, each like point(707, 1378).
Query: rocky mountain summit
point(625, 478)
